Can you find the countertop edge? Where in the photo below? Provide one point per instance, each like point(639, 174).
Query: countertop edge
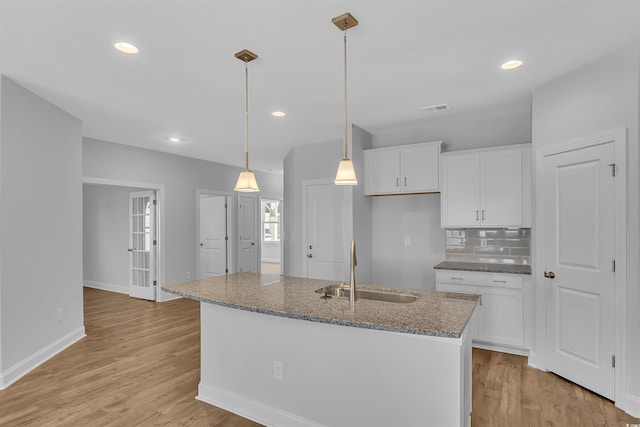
point(372, 326)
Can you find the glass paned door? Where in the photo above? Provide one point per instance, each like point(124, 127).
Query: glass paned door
point(142, 245)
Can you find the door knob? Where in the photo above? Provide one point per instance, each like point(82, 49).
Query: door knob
point(309, 255)
point(201, 244)
point(129, 250)
point(252, 244)
point(549, 274)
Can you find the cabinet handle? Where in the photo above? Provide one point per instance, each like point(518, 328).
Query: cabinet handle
point(480, 299)
point(405, 181)
point(477, 215)
point(397, 182)
point(483, 214)
point(457, 278)
point(499, 281)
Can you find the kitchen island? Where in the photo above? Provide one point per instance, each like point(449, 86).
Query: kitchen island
point(275, 352)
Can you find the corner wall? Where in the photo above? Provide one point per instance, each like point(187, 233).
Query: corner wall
point(41, 228)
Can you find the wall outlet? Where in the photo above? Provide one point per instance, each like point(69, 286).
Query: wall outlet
point(407, 240)
point(60, 314)
point(278, 370)
point(188, 275)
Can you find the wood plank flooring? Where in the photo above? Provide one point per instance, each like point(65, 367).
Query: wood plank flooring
point(139, 366)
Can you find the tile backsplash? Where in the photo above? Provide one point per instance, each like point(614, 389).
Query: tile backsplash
point(494, 245)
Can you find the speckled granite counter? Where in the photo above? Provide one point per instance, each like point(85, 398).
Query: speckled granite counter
point(433, 313)
point(484, 267)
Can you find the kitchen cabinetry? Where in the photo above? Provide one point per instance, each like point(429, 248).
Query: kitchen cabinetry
point(487, 188)
point(502, 315)
point(412, 168)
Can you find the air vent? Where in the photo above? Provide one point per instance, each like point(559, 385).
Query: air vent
point(434, 108)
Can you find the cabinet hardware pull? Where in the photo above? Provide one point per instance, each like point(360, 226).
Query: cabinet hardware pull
point(309, 255)
point(483, 214)
point(457, 278)
point(477, 215)
point(405, 181)
point(397, 182)
point(480, 299)
point(499, 281)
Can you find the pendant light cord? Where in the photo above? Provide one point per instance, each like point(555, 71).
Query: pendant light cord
point(346, 134)
point(246, 115)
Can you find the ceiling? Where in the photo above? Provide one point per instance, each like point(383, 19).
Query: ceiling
point(186, 82)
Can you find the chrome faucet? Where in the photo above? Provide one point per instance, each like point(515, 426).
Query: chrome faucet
point(352, 276)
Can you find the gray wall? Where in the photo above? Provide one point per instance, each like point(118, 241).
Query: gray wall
point(105, 236)
point(599, 97)
point(40, 225)
point(181, 176)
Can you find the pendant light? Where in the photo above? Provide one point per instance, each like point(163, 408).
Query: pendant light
point(346, 174)
point(247, 180)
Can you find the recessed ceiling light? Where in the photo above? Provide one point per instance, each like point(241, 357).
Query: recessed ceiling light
point(511, 65)
point(174, 139)
point(278, 114)
point(125, 47)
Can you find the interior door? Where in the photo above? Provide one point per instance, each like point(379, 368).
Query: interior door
point(247, 234)
point(142, 245)
point(213, 236)
point(579, 244)
point(325, 246)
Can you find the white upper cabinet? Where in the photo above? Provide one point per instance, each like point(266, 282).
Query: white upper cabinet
point(487, 188)
point(410, 168)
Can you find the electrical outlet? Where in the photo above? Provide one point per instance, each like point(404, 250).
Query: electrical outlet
point(278, 370)
point(407, 240)
point(188, 275)
point(60, 314)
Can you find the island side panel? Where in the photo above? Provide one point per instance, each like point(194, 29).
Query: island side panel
point(332, 375)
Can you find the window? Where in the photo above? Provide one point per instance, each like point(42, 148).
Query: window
point(271, 220)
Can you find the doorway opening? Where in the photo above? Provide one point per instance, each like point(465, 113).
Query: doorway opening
point(122, 237)
point(270, 239)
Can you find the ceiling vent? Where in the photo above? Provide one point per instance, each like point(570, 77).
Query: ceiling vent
point(434, 108)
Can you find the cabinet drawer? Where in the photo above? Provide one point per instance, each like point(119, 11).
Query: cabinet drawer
point(512, 281)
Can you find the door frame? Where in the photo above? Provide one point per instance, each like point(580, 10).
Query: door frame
point(257, 234)
point(537, 357)
point(160, 226)
point(261, 229)
point(347, 226)
point(231, 257)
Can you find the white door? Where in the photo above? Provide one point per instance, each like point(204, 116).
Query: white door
point(213, 235)
point(142, 245)
point(247, 234)
point(579, 244)
point(325, 246)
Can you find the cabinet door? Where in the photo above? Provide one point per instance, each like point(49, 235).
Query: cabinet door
point(463, 289)
point(502, 189)
point(460, 198)
point(381, 172)
point(500, 320)
point(420, 169)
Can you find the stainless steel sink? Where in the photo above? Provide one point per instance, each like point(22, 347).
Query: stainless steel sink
point(340, 291)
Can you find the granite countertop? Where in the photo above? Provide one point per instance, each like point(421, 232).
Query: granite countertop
point(441, 314)
point(484, 267)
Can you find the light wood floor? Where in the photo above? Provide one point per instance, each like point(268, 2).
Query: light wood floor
point(139, 366)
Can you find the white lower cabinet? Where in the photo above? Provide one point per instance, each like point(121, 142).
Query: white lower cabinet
point(502, 317)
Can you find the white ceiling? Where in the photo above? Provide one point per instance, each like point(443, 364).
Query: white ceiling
point(186, 81)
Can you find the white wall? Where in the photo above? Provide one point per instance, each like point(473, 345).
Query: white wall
point(600, 97)
point(181, 177)
point(106, 237)
point(414, 216)
point(41, 228)
point(463, 131)
point(314, 161)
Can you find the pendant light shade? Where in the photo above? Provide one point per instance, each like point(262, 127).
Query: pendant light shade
point(346, 174)
point(246, 180)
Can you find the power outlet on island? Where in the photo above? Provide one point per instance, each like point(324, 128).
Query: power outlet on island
point(278, 370)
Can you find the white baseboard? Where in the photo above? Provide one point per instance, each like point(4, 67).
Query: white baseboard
point(632, 405)
point(251, 409)
point(501, 348)
point(23, 367)
point(121, 289)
